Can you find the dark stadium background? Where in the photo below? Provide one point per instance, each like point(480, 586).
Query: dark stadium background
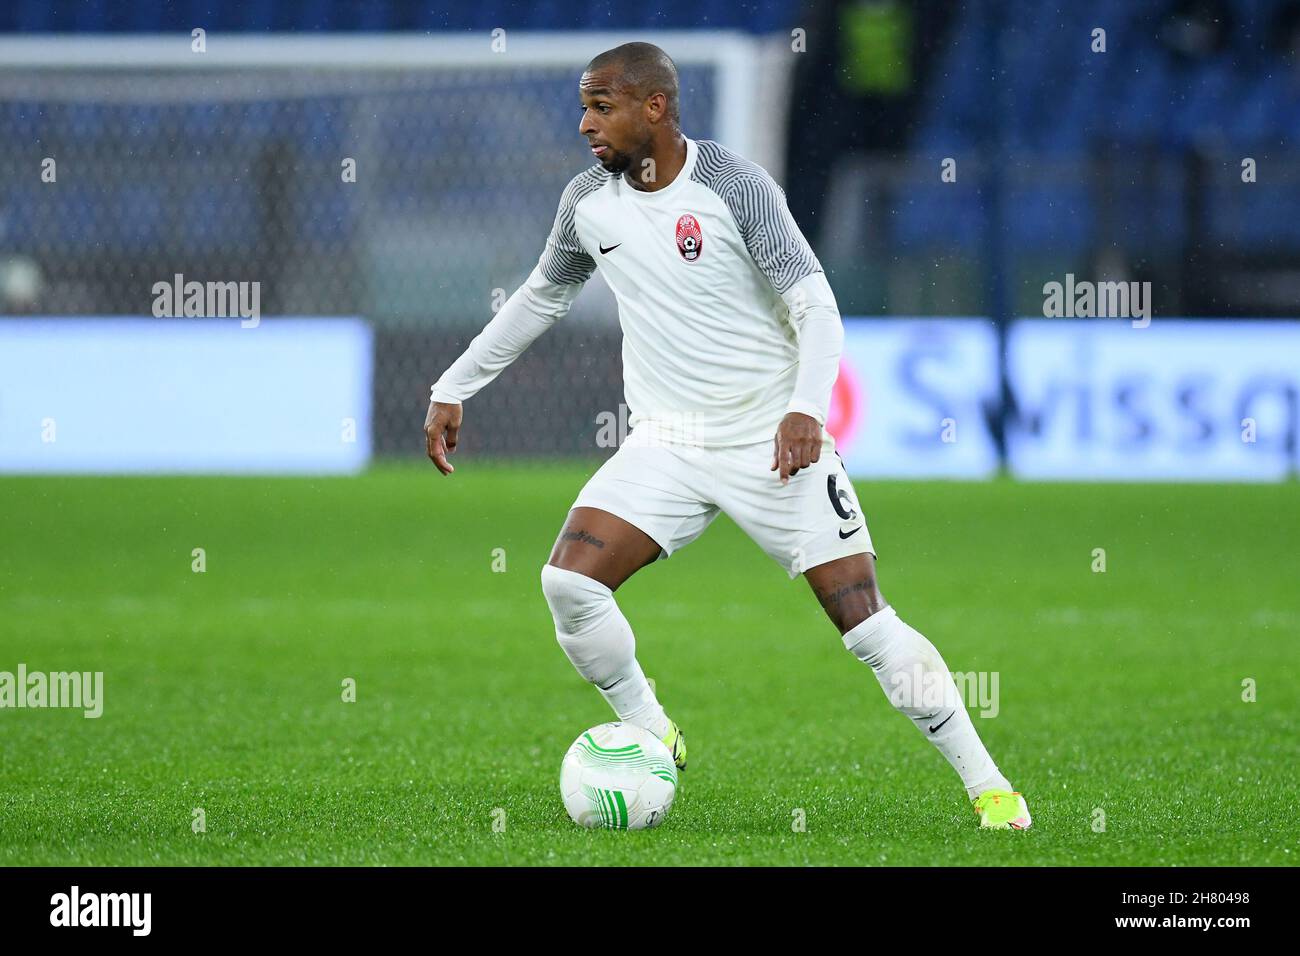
point(1119, 165)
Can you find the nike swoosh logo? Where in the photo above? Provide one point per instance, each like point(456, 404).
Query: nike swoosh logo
point(603, 250)
point(945, 720)
point(851, 533)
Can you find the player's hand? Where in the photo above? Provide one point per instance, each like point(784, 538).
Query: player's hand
point(441, 427)
point(798, 444)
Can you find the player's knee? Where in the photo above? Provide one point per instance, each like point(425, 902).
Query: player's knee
point(576, 601)
point(583, 608)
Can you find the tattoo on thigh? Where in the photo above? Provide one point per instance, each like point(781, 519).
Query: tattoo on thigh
point(832, 597)
point(581, 535)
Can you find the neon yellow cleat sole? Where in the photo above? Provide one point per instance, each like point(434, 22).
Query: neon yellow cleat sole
point(1002, 810)
point(675, 741)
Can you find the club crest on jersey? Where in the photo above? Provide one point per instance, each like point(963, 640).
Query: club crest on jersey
point(690, 240)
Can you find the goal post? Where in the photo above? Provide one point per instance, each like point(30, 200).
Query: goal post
point(736, 59)
point(407, 179)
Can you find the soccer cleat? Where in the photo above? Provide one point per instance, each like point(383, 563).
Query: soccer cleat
point(1002, 810)
point(675, 741)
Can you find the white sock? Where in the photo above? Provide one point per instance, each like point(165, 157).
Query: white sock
point(598, 640)
point(918, 684)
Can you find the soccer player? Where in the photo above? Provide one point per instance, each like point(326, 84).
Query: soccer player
point(731, 346)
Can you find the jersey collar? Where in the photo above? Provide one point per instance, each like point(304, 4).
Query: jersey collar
point(673, 187)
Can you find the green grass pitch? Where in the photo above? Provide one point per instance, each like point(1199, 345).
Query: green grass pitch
point(1120, 692)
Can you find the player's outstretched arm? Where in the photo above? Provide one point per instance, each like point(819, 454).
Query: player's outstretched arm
point(535, 307)
point(543, 299)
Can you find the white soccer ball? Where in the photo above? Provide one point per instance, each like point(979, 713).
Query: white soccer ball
point(618, 776)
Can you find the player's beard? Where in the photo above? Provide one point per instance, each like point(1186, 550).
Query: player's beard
point(618, 163)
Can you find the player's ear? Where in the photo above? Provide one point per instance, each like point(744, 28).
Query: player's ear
point(655, 106)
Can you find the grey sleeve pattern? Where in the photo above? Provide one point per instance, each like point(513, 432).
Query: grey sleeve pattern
point(758, 205)
point(564, 261)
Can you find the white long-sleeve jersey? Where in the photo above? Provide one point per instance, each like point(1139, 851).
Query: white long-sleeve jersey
point(728, 321)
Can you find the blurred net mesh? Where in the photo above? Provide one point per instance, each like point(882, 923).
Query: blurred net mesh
point(238, 176)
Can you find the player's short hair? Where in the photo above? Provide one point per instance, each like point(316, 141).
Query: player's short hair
point(645, 70)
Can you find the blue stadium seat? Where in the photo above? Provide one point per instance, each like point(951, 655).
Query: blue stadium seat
point(1064, 101)
point(89, 16)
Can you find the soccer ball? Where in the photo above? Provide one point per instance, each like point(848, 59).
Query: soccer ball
point(618, 776)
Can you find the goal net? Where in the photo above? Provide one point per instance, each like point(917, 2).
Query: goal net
point(410, 180)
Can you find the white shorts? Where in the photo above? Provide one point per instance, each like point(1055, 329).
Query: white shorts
point(673, 492)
